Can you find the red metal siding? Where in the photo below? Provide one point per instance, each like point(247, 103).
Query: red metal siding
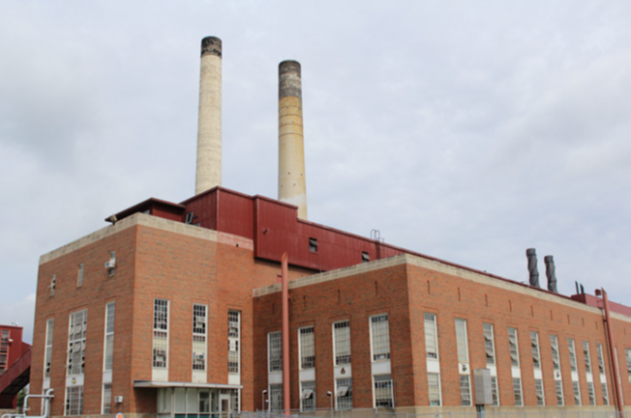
point(204, 208)
point(234, 213)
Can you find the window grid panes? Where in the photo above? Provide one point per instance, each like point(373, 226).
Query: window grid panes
point(431, 341)
point(200, 318)
point(465, 390)
point(383, 392)
point(276, 397)
point(601, 362)
point(513, 347)
point(539, 391)
point(234, 341)
point(534, 343)
point(307, 396)
point(628, 354)
point(590, 393)
point(433, 389)
point(80, 276)
point(519, 400)
point(380, 336)
point(109, 335)
point(344, 394)
point(275, 352)
point(558, 384)
point(107, 398)
point(76, 342)
point(577, 393)
point(461, 340)
point(605, 392)
point(74, 400)
point(50, 325)
point(495, 398)
point(586, 357)
point(489, 345)
point(554, 344)
point(307, 352)
point(572, 350)
point(342, 341)
point(160, 333)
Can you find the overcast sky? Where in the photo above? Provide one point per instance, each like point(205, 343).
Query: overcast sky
point(467, 131)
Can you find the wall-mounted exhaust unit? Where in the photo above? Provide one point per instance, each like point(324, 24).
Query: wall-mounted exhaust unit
point(551, 273)
point(531, 253)
point(208, 173)
point(292, 184)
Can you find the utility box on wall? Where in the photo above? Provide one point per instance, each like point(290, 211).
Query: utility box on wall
point(482, 382)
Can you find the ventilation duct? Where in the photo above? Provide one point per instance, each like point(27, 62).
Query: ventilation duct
point(531, 254)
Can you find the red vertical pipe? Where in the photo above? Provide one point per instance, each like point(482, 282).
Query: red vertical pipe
point(285, 278)
point(612, 355)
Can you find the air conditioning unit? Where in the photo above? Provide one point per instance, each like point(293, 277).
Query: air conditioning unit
point(118, 399)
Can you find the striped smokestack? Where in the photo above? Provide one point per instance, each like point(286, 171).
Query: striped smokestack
point(292, 187)
point(209, 124)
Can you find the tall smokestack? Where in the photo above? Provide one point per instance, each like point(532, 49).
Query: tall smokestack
point(551, 273)
point(209, 124)
point(292, 183)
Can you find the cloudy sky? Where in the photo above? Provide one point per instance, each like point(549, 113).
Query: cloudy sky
point(464, 130)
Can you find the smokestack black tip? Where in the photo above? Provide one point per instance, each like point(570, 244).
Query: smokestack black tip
point(289, 66)
point(531, 251)
point(211, 45)
point(548, 259)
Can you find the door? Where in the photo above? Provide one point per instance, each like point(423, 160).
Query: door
point(224, 405)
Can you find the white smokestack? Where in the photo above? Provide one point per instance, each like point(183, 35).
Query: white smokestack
point(292, 183)
point(209, 125)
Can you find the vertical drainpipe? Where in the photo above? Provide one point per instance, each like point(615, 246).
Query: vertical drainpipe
point(612, 355)
point(292, 184)
point(208, 174)
point(286, 383)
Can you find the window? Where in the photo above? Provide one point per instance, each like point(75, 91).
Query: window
point(80, 276)
point(4, 350)
point(189, 218)
point(109, 335)
point(342, 342)
point(50, 324)
point(465, 390)
point(200, 318)
point(554, 344)
point(307, 352)
point(234, 341)
point(539, 390)
point(494, 392)
point(53, 283)
point(275, 353)
point(534, 343)
point(74, 400)
point(111, 264)
point(489, 346)
point(570, 346)
point(365, 257)
point(558, 384)
point(276, 396)
point(107, 398)
point(590, 393)
point(307, 396)
point(605, 393)
point(76, 342)
point(160, 333)
point(577, 393)
point(344, 394)
point(383, 392)
point(519, 400)
point(433, 389)
point(380, 337)
point(588, 362)
point(628, 354)
point(313, 245)
point(514, 350)
point(461, 340)
point(601, 363)
point(431, 340)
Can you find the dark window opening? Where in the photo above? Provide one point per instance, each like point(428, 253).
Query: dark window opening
point(313, 245)
point(189, 218)
point(365, 257)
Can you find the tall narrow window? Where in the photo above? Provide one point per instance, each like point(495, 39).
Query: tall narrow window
point(4, 350)
point(109, 335)
point(590, 393)
point(307, 352)
point(534, 343)
point(76, 342)
point(628, 354)
point(276, 396)
point(601, 370)
point(588, 362)
point(234, 341)
point(160, 333)
point(572, 350)
point(433, 389)
point(576, 387)
point(275, 353)
point(343, 394)
point(577, 392)
point(463, 362)
point(383, 391)
point(80, 276)
point(513, 347)
point(307, 396)
point(342, 342)
point(539, 391)
point(489, 346)
point(200, 318)
point(495, 393)
point(107, 398)
point(74, 400)
point(50, 324)
point(53, 284)
point(431, 340)
point(519, 400)
point(556, 366)
point(380, 337)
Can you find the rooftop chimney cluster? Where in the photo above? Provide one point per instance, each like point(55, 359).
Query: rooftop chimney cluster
point(531, 254)
point(291, 155)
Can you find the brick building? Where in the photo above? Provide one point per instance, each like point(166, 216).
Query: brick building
point(174, 310)
point(15, 362)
